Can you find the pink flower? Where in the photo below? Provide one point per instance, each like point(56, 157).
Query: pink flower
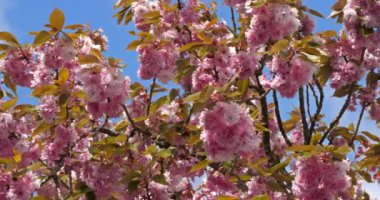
point(48, 108)
point(320, 175)
point(227, 130)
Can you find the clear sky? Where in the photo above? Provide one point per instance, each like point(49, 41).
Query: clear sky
point(23, 16)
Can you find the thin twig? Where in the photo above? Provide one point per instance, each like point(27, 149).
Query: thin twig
point(279, 120)
point(150, 96)
point(358, 124)
point(319, 105)
point(233, 19)
point(308, 102)
point(340, 115)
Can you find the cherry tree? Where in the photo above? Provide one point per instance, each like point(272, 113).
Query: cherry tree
point(209, 126)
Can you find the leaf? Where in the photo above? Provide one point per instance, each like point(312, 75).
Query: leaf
point(9, 83)
point(165, 153)
point(151, 15)
point(151, 149)
point(372, 78)
point(42, 127)
point(261, 197)
point(328, 34)
point(279, 46)
point(343, 91)
point(303, 148)
point(133, 45)
point(280, 166)
point(63, 76)
point(339, 5)
point(192, 97)
point(315, 138)
point(190, 46)
point(57, 19)
point(9, 104)
point(224, 197)
point(194, 139)
point(9, 38)
point(243, 85)
point(315, 13)
point(88, 59)
point(17, 156)
point(45, 90)
point(199, 166)
point(133, 185)
point(121, 125)
point(160, 179)
point(324, 73)
point(371, 136)
point(41, 37)
point(3, 47)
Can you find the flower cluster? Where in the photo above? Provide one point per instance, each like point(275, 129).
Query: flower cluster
point(227, 131)
point(290, 75)
point(319, 177)
point(272, 22)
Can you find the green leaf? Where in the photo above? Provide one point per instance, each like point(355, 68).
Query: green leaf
point(88, 59)
point(133, 45)
point(324, 73)
point(63, 76)
point(280, 166)
point(315, 138)
point(41, 37)
point(9, 104)
point(279, 46)
point(133, 185)
point(57, 19)
point(224, 197)
point(189, 46)
point(192, 97)
point(121, 125)
point(371, 136)
point(243, 85)
point(160, 179)
point(9, 83)
point(9, 38)
point(303, 148)
point(45, 90)
point(42, 127)
point(165, 153)
point(343, 91)
point(199, 166)
point(261, 197)
point(328, 34)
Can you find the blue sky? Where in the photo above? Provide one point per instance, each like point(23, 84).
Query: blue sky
point(23, 16)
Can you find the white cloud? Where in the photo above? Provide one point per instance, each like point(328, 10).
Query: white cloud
point(5, 6)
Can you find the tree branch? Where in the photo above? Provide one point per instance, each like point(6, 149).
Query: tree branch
point(306, 134)
point(341, 112)
point(358, 124)
point(279, 120)
point(319, 105)
point(150, 96)
point(233, 19)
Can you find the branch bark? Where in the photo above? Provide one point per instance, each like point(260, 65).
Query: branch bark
point(279, 120)
point(306, 134)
